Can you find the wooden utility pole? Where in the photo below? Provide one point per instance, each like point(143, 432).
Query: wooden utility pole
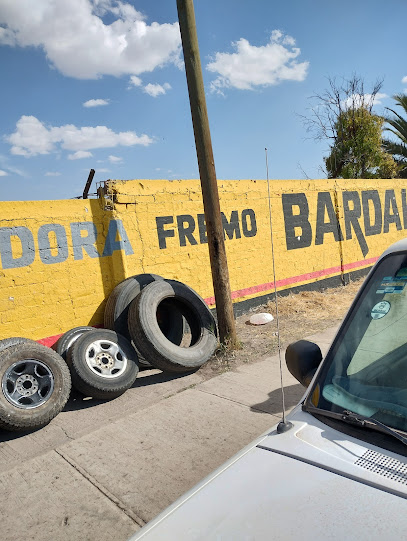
point(210, 195)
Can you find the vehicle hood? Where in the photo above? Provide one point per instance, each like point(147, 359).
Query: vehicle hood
point(308, 482)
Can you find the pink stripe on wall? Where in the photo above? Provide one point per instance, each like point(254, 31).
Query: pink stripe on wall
point(50, 341)
point(295, 279)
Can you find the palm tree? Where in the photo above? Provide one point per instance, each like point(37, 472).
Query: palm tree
point(398, 126)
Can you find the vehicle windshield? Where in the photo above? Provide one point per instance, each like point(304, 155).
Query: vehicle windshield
point(366, 370)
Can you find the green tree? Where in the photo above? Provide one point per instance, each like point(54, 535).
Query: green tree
point(342, 116)
point(357, 150)
point(398, 126)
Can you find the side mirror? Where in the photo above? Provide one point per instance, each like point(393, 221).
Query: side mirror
point(302, 359)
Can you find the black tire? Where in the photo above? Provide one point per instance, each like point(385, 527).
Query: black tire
point(117, 305)
point(35, 386)
point(66, 341)
point(152, 343)
point(103, 364)
point(7, 342)
point(116, 312)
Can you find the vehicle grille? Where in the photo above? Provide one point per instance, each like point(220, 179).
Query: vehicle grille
point(383, 465)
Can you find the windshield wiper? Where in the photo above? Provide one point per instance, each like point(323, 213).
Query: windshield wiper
point(362, 420)
point(357, 419)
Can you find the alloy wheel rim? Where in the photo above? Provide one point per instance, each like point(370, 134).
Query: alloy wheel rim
point(28, 384)
point(106, 359)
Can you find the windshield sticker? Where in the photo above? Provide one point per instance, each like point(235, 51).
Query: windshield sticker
point(392, 284)
point(380, 309)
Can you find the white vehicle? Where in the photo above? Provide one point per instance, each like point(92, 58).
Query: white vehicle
point(337, 468)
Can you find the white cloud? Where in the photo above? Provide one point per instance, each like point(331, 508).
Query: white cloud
point(79, 44)
point(404, 80)
point(252, 66)
point(3, 173)
point(32, 137)
point(156, 90)
point(79, 155)
point(103, 170)
point(358, 100)
point(52, 174)
point(95, 103)
point(135, 81)
point(114, 159)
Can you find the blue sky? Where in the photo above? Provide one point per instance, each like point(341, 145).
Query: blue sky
point(100, 84)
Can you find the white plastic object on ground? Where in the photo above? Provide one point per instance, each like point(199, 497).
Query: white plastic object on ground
point(261, 319)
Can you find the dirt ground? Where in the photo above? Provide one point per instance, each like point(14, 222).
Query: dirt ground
point(300, 315)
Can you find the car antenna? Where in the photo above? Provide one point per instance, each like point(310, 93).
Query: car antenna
point(283, 425)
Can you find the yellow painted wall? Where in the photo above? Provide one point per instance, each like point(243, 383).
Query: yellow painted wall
point(375, 243)
point(249, 258)
point(57, 281)
point(40, 299)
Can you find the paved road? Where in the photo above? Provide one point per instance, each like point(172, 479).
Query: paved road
point(100, 470)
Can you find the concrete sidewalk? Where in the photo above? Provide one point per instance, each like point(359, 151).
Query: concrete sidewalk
point(101, 470)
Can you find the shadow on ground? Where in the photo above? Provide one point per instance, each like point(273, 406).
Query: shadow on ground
point(153, 379)
point(78, 401)
point(273, 405)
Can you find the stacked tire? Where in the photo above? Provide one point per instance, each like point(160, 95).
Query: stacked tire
point(150, 321)
point(154, 345)
point(116, 314)
point(167, 322)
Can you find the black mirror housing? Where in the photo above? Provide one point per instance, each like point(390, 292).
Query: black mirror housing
point(302, 359)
